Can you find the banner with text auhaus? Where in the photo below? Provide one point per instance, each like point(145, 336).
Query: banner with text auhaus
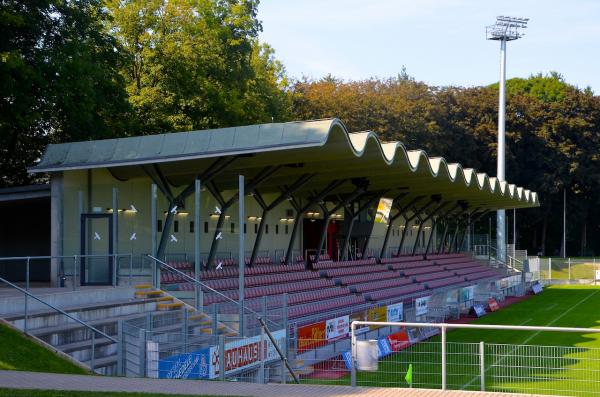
point(245, 353)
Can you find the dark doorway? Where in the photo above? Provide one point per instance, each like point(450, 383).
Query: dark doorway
point(96, 249)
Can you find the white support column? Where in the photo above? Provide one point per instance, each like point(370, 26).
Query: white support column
point(56, 222)
point(500, 174)
point(241, 251)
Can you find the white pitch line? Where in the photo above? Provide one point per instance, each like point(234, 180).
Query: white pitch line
point(530, 338)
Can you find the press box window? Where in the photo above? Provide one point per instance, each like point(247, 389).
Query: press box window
point(191, 226)
point(233, 228)
point(159, 225)
point(176, 227)
point(205, 227)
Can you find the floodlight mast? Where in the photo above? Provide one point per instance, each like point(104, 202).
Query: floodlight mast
point(505, 29)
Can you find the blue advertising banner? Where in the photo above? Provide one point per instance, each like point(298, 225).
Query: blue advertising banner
point(347, 360)
point(537, 288)
point(193, 365)
point(385, 349)
point(479, 310)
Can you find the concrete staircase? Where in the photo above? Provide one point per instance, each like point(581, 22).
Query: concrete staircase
point(110, 307)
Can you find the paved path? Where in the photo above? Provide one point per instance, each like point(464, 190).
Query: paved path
point(34, 380)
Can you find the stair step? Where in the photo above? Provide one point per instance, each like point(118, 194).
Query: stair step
point(85, 344)
point(147, 294)
point(169, 306)
point(143, 286)
point(103, 361)
point(81, 308)
point(165, 299)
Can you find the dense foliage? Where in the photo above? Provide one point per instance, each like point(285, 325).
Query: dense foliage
point(90, 69)
point(553, 139)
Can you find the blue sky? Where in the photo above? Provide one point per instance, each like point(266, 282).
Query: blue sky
point(441, 42)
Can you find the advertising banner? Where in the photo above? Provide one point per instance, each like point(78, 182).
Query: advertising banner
point(479, 310)
point(384, 347)
point(337, 328)
point(383, 210)
point(399, 340)
point(244, 353)
point(536, 288)
point(421, 305)
point(413, 335)
point(193, 365)
point(377, 314)
point(311, 336)
point(493, 305)
point(395, 312)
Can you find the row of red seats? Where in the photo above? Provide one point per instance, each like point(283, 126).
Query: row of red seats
point(266, 290)
point(332, 265)
point(325, 306)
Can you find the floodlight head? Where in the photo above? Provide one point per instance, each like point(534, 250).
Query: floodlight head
point(506, 28)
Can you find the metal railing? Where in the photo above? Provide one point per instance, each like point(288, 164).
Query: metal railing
point(69, 267)
point(472, 364)
point(93, 330)
point(158, 264)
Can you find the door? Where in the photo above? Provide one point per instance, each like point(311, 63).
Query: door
point(96, 249)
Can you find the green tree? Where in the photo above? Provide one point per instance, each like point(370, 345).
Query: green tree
point(59, 80)
point(195, 64)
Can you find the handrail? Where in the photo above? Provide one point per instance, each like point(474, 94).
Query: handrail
point(258, 316)
point(57, 309)
point(193, 280)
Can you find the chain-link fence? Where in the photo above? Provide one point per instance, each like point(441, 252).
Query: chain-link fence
point(565, 270)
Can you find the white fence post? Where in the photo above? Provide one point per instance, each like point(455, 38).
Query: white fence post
point(569, 259)
point(482, 365)
point(443, 329)
point(353, 355)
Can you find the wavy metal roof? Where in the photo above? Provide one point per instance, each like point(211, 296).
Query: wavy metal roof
point(322, 146)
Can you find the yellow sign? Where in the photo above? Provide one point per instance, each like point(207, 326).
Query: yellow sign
point(383, 210)
point(377, 314)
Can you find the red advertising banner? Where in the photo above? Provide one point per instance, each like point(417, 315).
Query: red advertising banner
point(399, 340)
point(311, 336)
point(493, 305)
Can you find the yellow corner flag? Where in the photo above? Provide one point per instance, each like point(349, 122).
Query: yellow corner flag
point(408, 376)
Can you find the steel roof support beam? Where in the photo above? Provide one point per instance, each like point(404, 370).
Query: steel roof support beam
point(422, 222)
point(359, 191)
point(285, 194)
point(410, 219)
point(262, 176)
point(401, 211)
point(442, 246)
point(471, 220)
point(453, 241)
point(353, 219)
point(300, 212)
point(213, 170)
point(434, 225)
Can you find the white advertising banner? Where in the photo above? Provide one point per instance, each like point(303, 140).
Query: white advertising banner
point(245, 353)
point(421, 305)
point(395, 312)
point(337, 327)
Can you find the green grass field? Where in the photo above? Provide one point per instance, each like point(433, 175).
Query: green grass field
point(542, 366)
point(21, 354)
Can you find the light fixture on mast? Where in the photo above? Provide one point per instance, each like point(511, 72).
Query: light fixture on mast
point(505, 29)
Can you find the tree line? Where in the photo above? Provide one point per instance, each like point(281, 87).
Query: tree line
point(93, 69)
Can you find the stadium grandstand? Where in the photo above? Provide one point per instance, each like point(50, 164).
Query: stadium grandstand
point(168, 249)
